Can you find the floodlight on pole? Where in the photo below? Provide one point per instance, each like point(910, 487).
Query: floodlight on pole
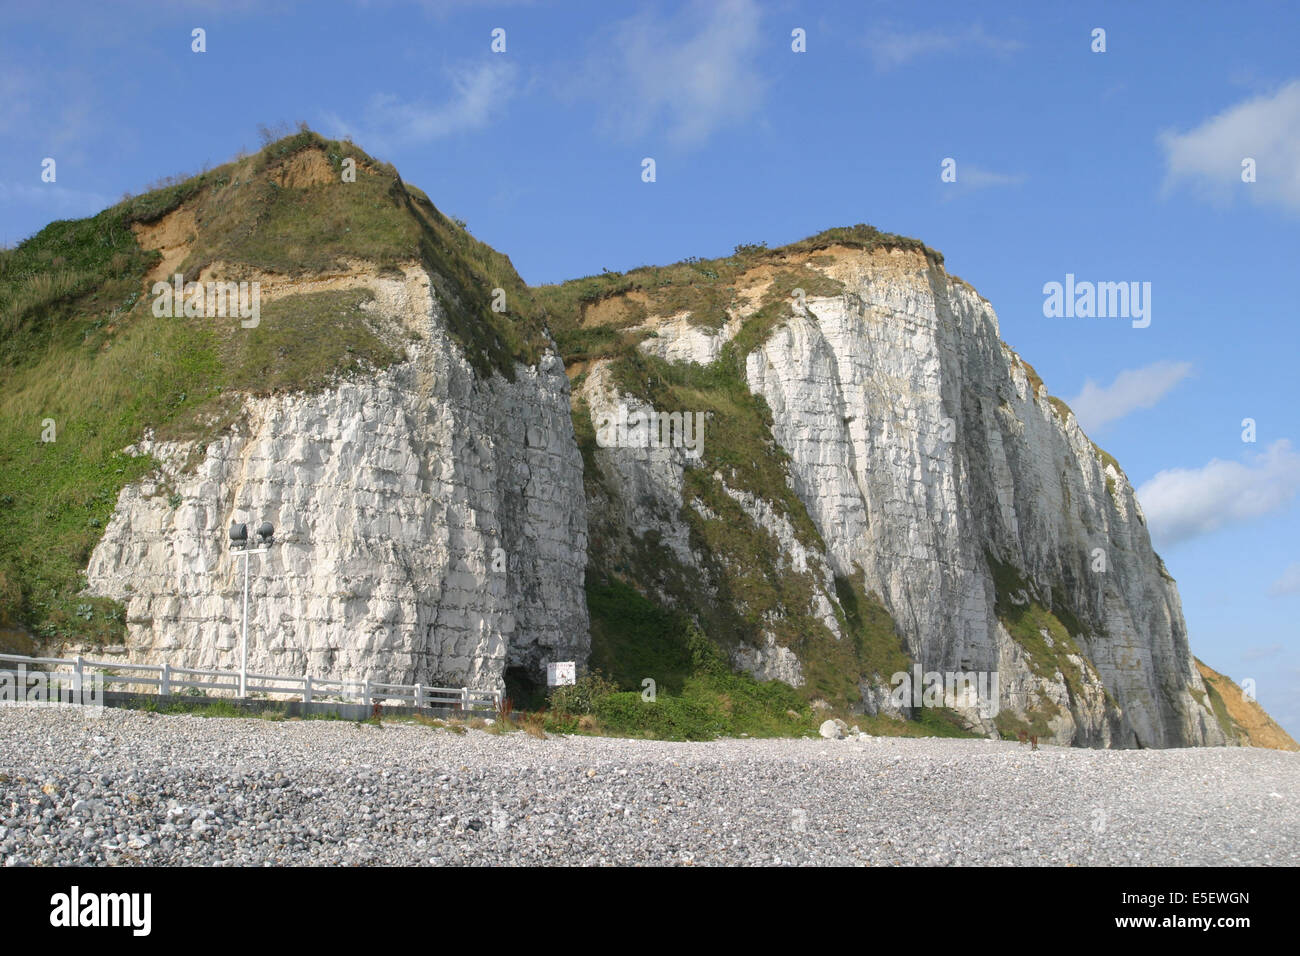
point(239, 544)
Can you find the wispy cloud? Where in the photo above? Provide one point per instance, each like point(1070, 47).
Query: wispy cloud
point(52, 195)
point(1098, 405)
point(57, 113)
point(439, 9)
point(1264, 128)
point(445, 8)
point(971, 178)
point(978, 178)
point(1288, 582)
point(688, 76)
point(891, 48)
point(1182, 503)
point(479, 94)
point(15, 99)
point(1252, 654)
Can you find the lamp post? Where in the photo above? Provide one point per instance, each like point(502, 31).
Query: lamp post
point(239, 544)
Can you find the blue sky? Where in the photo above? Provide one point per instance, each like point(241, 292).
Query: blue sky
point(1114, 166)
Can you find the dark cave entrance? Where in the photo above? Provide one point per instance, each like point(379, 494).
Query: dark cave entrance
point(524, 689)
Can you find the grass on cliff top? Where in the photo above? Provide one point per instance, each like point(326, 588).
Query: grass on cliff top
point(707, 303)
point(704, 287)
point(76, 273)
point(80, 347)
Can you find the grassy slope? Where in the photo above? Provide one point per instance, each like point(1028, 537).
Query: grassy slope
point(1241, 718)
point(698, 696)
point(79, 345)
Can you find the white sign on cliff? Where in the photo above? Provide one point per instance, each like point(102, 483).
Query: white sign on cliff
point(560, 672)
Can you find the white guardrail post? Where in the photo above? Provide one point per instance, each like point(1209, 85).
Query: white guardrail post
point(306, 689)
point(165, 682)
point(77, 671)
point(365, 694)
point(418, 697)
point(464, 698)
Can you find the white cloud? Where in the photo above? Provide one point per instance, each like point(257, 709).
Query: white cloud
point(1134, 388)
point(52, 194)
point(1181, 503)
point(445, 8)
point(689, 76)
point(478, 94)
point(978, 178)
point(1288, 583)
point(15, 100)
point(56, 114)
point(1252, 654)
point(971, 177)
point(1264, 128)
point(892, 48)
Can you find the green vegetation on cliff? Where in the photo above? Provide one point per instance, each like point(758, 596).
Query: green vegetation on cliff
point(1026, 620)
point(87, 363)
point(587, 315)
point(749, 590)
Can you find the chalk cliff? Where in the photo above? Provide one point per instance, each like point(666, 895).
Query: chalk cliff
point(883, 483)
point(430, 524)
point(938, 474)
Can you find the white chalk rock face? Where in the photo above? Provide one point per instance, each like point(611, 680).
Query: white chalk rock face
point(920, 448)
point(430, 525)
point(677, 340)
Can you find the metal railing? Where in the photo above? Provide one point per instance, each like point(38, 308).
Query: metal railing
point(166, 680)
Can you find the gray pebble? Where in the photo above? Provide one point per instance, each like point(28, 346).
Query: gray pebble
point(196, 791)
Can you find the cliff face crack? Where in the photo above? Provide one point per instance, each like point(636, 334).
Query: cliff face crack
point(917, 442)
point(882, 478)
point(387, 488)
